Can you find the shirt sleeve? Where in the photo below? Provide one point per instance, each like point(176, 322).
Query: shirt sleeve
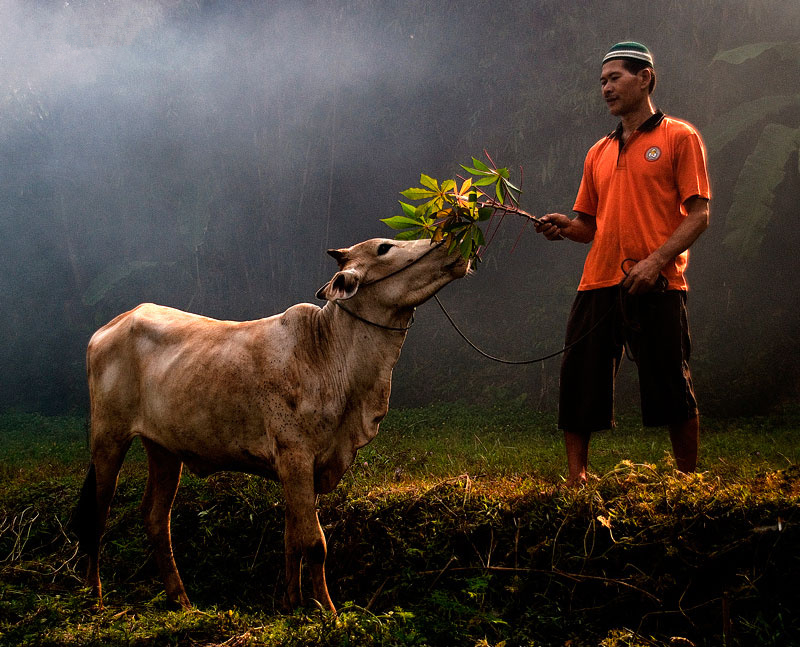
point(690, 168)
point(586, 201)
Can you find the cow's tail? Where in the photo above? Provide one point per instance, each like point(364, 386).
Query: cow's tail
point(84, 518)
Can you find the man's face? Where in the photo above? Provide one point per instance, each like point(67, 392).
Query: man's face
point(623, 92)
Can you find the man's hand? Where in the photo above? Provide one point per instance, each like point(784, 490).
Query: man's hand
point(643, 276)
point(550, 225)
point(557, 226)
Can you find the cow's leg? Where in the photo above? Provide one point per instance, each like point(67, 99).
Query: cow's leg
point(163, 477)
point(95, 501)
point(304, 537)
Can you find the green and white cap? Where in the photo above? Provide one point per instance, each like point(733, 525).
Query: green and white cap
point(630, 50)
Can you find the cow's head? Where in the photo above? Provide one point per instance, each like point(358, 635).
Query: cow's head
point(392, 273)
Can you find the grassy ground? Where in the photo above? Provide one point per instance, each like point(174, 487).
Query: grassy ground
point(452, 528)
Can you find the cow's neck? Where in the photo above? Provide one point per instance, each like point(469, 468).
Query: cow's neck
point(363, 357)
point(370, 351)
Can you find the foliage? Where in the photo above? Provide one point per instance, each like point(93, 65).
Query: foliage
point(231, 171)
point(108, 279)
point(763, 170)
point(450, 213)
point(765, 166)
point(435, 555)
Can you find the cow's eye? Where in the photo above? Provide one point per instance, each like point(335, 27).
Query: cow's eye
point(383, 248)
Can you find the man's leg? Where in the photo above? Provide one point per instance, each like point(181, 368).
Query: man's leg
point(685, 437)
point(662, 350)
point(577, 456)
point(588, 368)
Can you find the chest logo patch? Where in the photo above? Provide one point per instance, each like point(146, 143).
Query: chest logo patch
point(652, 154)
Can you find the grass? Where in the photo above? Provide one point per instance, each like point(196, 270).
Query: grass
point(452, 528)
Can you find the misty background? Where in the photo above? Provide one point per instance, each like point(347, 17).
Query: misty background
point(204, 155)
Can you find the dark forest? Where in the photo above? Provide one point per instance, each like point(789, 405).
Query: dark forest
point(204, 155)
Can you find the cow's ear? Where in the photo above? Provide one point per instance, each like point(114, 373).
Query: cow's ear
point(343, 285)
point(340, 255)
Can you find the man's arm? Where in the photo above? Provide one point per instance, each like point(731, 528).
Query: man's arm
point(643, 276)
point(557, 226)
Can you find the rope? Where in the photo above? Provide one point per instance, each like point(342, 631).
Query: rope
point(661, 286)
point(383, 278)
point(374, 323)
point(522, 361)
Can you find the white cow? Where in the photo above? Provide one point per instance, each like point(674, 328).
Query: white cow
point(291, 397)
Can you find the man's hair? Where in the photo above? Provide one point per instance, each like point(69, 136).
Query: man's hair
point(635, 66)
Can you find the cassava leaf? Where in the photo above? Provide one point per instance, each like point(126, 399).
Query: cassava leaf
point(480, 165)
point(409, 209)
point(485, 181)
point(450, 212)
point(448, 185)
point(428, 181)
point(417, 193)
point(411, 234)
point(401, 222)
point(500, 192)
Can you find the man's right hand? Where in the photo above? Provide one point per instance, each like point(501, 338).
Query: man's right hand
point(551, 224)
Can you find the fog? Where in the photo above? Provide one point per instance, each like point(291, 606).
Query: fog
point(204, 155)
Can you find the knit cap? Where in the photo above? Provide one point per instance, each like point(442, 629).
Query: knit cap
point(630, 50)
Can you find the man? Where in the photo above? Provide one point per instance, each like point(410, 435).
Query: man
point(643, 200)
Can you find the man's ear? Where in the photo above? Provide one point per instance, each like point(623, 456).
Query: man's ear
point(646, 75)
point(343, 285)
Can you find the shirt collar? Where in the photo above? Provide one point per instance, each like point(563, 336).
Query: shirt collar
point(651, 123)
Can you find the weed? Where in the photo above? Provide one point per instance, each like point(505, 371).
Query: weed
point(474, 542)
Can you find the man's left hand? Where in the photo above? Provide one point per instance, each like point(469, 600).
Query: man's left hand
point(642, 277)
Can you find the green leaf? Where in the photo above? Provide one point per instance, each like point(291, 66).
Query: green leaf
point(453, 245)
point(401, 222)
point(422, 210)
point(409, 209)
point(110, 277)
point(474, 171)
point(428, 181)
point(455, 228)
point(417, 193)
point(448, 185)
point(466, 247)
point(485, 181)
point(763, 170)
point(743, 118)
point(744, 53)
point(411, 234)
point(432, 206)
point(480, 165)
point(500, 192)
point(477, 236)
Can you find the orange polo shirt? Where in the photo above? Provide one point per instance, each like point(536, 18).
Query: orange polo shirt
point(636, 194)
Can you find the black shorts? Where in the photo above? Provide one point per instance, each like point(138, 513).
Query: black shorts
point(655, 329)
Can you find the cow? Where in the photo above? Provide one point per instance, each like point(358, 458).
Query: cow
point(290, 397)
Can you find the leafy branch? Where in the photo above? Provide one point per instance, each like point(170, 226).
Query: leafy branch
point(451, 213)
